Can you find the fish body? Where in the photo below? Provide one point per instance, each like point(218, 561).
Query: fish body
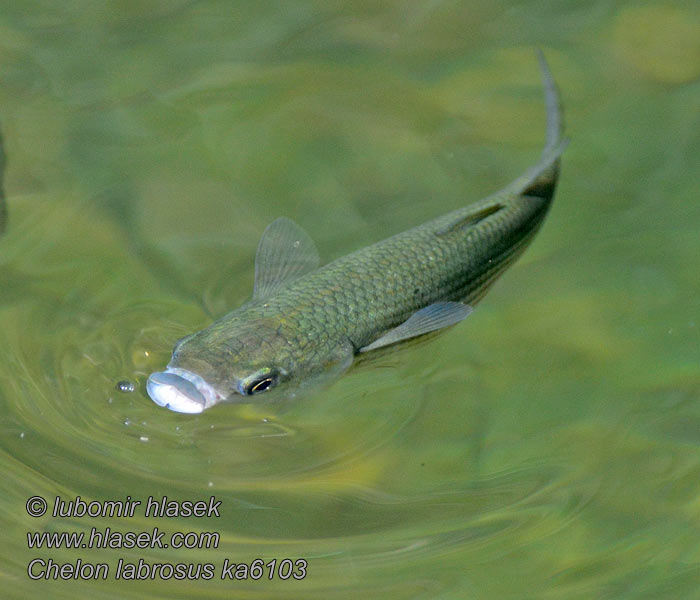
point(305, 320)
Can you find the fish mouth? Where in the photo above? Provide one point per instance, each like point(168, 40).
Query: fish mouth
point(181, 391)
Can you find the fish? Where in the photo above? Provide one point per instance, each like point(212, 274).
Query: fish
point(304, 320)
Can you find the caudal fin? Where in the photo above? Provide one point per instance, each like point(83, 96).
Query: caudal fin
point(541, 179)
point(555, 119)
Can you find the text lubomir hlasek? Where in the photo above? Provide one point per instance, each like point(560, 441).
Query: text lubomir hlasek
point(161, 507)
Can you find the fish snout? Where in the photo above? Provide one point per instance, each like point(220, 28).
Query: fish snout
point(181, 392)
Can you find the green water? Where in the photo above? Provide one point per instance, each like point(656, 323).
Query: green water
point(547, 447)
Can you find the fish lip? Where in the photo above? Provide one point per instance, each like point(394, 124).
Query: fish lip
point(181, 391)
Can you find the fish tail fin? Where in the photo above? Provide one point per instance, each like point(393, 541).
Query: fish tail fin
point(540, 180)
point(555, 118)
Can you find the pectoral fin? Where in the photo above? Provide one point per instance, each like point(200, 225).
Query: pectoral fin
point(285, 252)
point(431, 318)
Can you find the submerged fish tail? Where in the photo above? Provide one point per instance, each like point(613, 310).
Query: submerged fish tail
point(505, 222)
point(555, 120)
point(540, 181)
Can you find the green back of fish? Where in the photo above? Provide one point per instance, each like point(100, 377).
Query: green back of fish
point(332, 312)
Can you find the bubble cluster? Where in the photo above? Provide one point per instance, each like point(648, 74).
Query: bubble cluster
point(125, 386)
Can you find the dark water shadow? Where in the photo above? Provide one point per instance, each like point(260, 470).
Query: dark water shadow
point(117, 204)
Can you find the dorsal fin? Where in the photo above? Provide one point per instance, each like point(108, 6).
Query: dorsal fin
point(285, 253)
point(471, 219)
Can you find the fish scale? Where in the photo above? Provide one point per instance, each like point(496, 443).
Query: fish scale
point(303, 320)
point(462, 263)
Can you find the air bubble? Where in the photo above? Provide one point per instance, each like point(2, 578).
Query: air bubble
point(125, 386)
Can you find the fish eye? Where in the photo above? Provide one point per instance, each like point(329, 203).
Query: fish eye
point(260, 383)
point(260, 386)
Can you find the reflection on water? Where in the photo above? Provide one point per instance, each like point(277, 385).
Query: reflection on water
point(545, 448)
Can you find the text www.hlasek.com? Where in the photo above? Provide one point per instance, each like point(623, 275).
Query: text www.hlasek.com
point(107, 538)
point(140, 569)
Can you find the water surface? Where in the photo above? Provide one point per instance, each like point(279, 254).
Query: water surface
point(547, 447)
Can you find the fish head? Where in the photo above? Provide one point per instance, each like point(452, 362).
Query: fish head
point(227, 362)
